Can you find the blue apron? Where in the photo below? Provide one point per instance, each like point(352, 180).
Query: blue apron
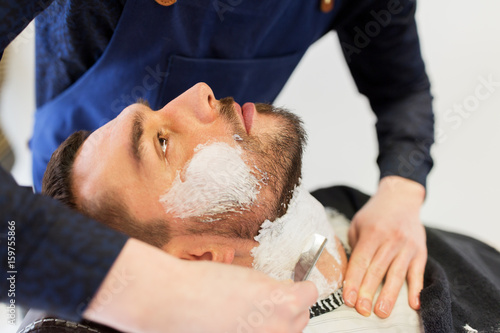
point(241, 48)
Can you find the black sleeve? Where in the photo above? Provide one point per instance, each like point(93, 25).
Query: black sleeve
point(15, 15)
point(51, 257)
point(380, 43)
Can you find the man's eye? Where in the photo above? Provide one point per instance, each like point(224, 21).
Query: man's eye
point(163, 144)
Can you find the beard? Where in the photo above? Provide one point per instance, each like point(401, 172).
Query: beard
point(275, 159)
point(279, 154)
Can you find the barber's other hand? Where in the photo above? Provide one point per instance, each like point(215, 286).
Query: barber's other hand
point(147, 290)
point(388, 240)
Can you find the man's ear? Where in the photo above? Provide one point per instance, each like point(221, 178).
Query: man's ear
point(213, 252)
point(199, 247)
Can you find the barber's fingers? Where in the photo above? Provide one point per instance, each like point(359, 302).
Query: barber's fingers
point(300, 322)
point(395, 278)
point(386, 256)
point(306, 292)
point(294, 304)
point(353, 235)
point(308, 296)
point(359, 262)
point(416, 279)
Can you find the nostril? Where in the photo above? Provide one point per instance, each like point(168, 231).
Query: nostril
point(204, 103)
point(211, 101)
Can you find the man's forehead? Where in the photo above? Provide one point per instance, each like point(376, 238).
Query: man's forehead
point(93, 158)
point(93, 142)
point(106, 131)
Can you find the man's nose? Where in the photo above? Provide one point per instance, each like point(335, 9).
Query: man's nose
point(204, 102)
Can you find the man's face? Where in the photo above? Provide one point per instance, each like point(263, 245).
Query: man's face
point(137, 157)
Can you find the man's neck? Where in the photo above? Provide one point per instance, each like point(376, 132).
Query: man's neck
point(282, 241)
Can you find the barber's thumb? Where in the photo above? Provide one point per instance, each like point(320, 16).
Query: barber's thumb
point(352, 236)
point(306, 292)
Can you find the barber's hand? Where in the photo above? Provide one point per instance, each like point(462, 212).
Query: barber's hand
point(147, 290)
point(388, 240)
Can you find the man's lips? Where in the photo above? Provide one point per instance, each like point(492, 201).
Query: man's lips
point(246, 114)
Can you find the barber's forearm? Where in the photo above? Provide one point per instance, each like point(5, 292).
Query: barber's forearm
point(389, 70)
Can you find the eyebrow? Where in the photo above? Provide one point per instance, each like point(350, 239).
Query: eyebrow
point(136, 135)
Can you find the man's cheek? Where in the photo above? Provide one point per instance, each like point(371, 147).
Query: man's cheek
point(216, 181)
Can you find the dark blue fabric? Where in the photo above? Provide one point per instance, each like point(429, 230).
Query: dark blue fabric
point(243, 49)
point(15, 15)
point(70, 37)
point(61, 257)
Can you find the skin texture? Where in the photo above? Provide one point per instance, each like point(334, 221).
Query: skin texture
point(328, 266)
point(388, 240)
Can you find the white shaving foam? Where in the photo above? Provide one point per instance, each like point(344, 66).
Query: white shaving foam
point(217, 180)
point(282, 241)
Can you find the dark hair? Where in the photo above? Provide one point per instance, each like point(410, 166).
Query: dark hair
point(58, 183)
point(57, 180)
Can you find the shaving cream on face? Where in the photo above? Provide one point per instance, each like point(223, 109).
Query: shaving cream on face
point(217, 180)
point(282, 241)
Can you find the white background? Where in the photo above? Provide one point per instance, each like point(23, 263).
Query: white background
point(460, 42)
